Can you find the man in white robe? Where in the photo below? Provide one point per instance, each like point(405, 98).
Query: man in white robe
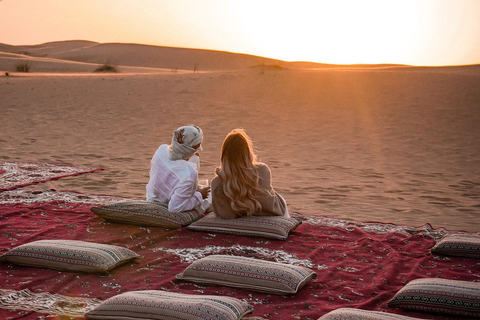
point(174, 172)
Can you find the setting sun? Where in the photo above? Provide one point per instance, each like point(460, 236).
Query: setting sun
point(337, 31)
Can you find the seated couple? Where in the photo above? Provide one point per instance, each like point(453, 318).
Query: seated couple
point(242, 186)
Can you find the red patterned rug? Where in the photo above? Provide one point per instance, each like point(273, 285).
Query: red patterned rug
point(360, 265)
point(19, 174)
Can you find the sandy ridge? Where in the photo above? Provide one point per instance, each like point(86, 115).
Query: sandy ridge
point(79, 56)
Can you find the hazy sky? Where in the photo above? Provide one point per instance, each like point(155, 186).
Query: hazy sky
point(417, 32)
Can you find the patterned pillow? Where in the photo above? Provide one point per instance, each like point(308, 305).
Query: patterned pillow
point(257, 226)
point(141, 212)
point(460, 298)
point(69, 255)
point(248, 273)
point(459, 245)
point(357, 314)
point(156, 304)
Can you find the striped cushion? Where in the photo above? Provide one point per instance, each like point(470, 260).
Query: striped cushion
point(459, 245)
point(156, 304)
point(248, 273)
point(146, 213)
point(69, 255)
point(258, 226)
point(461, 298)
point(357, 314)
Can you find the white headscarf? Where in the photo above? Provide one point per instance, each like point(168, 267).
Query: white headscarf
point(184, 138)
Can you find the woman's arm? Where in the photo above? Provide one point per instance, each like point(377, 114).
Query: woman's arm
point(272, 203)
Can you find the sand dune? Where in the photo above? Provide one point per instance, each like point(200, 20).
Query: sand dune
point(47, 48)
point(9, 61)
point(86, 56)
point(127, 55)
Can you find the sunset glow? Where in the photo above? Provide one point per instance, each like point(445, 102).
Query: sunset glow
point(427, 32)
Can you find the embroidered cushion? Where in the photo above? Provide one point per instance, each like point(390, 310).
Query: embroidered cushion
point(460, 298)
point(146, 213)
point(357, 314)
point(248, 273)
point(69, 255)
point(459, 245)
point(156, 304)
point(258, 226)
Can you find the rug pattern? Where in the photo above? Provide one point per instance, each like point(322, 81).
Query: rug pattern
point(20, 174)
point(358, 264)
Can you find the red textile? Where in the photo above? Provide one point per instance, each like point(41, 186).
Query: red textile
point(19, 174)
point(360, 265)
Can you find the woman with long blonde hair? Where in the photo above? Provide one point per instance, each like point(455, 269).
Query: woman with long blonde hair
point(243, 186)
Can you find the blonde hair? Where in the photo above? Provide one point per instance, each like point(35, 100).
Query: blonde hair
point(239, 172)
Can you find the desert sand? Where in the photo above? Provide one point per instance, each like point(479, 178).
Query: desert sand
point(385, 143)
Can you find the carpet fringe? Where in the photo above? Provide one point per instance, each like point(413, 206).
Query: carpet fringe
point(44, 302)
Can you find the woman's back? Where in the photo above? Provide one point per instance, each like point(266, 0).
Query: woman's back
point(272, 204)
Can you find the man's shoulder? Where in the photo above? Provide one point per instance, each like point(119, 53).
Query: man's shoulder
point(161, 151)
point(163, 148)
point(189, 166)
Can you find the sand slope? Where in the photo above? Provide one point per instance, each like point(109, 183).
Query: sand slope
point(125, 55)
point(86, 56)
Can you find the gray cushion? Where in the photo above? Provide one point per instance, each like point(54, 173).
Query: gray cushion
point(156, 304)
point(145, 213)
point(69, 255)
point(357, 314)
point(272, 227)
point(460, 298)
point(248, 273)
point(462, 245)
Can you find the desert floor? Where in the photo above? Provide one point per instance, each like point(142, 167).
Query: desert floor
point(390, 144)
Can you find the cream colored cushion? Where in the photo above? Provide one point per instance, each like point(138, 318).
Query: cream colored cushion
point(272, 227)
point(146, 213)
point(156, 304)
point(357, 314)
point(248, 273)
point(70, 255)
point(455, 297)
point(462, 245)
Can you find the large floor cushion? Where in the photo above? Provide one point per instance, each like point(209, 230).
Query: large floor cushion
point(156, 304)
point(248, 273)
point(357, 314)
point(69, 255)
point(145, 213)
point(462, 245)
point(271, 227)
point(460, 298)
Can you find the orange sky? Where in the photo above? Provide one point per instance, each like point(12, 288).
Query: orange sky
point(415, 32)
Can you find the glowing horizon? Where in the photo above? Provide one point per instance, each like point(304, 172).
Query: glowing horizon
point(428, 32)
